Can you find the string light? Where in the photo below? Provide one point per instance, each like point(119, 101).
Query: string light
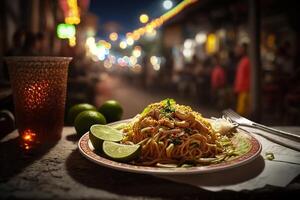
point(73, 16)
point(144, 18)
point(72, 41)
point(167, 4)
point(149, 28)
point(162, 19)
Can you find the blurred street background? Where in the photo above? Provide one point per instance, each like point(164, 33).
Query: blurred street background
point(209, 54)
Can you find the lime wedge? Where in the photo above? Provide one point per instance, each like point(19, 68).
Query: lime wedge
point(121, 152)
point(99, 133)
point(119, 126)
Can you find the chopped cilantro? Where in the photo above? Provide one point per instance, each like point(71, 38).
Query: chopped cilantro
point(168, 108)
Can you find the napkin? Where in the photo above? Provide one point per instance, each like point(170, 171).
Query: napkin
point(256, 174)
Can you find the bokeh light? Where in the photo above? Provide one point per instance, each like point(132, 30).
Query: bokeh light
point(123, 45)
point(200, 38)
point(113, 36)
point(137, 51)
point(65, 31)
point(144, 18)
point(129, 41)
point(167, 4)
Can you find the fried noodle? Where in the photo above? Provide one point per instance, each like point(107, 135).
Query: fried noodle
point(175, 134)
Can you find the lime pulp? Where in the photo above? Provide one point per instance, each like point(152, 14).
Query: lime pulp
point(100, 133)
point(121, 152)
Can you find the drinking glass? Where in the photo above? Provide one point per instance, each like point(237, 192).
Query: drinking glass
point(39, 87)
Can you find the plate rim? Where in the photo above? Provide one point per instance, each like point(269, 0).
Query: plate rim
point(252, 154)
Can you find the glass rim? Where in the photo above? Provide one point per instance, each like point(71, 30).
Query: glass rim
point(37, 58)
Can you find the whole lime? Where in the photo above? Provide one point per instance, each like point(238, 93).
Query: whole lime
point(112, 110)
point(86, 119)
point(78, 108)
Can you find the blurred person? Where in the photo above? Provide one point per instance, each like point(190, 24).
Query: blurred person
point(218, 82)
point(242, 80)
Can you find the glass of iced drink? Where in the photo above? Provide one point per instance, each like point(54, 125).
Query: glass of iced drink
point(39, 87)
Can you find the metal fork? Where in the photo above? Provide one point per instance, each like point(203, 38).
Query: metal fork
point(242, 121)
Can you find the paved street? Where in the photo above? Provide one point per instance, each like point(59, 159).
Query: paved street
point(134, 97)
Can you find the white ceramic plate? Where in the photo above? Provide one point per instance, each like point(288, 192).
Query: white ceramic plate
point(87, 150)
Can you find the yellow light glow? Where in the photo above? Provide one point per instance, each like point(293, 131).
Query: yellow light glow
point(132, 60)
point(72, 20)
point(104, 43)
point(73, 16)
point(90, 41)
point(28, 135)
point(136, 36)
point(160, 20)
point(72, 41)
point(107, 45)
point(211, 43)
point(136, 53)
point(144, 18)
point(149, 28)
point(113, 36)
point(151, 34)
point(123, 45)
point(129, 41)
point(101, 42)
point(141, 31)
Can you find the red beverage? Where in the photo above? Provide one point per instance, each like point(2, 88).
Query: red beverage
point(39, 87)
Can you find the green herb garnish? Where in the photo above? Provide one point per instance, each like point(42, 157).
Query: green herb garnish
point(168, 108)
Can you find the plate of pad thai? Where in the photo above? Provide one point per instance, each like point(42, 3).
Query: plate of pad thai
point(168, 138)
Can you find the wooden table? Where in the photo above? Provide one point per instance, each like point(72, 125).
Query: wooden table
point(61, 172)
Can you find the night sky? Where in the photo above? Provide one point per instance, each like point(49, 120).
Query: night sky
point(125, 12)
